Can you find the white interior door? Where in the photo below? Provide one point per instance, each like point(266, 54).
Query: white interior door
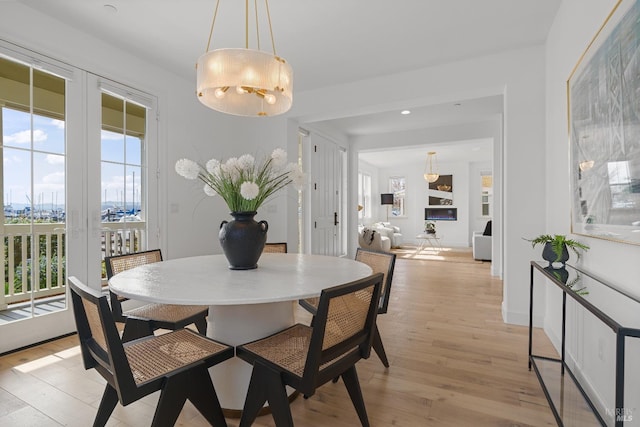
point(326, 174)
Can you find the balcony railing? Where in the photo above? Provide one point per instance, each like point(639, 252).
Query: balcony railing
point(25, 278)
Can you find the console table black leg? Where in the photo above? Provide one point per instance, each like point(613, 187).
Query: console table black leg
point(564, 323)
point(620, 413)
point(530, 315)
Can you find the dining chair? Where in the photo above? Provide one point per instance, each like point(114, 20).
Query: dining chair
point(380, 262)
point(142, 321)
point(175, 363)
point(280, 248)
point(305, 357)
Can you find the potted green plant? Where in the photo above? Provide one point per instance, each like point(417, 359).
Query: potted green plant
point(430, 227)
point(556, 247)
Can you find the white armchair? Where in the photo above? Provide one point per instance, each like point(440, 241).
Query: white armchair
point(370, 238)
point(390, 231)
point(481, 246)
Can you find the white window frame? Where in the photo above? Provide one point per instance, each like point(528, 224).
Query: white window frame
point(364, 195)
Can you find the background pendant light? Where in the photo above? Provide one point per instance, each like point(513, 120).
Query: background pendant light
point(431, 174)
point(245, 82)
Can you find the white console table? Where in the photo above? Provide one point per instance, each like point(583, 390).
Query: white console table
point(431, 238)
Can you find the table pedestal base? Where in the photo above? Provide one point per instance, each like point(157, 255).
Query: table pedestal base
point(239, 324)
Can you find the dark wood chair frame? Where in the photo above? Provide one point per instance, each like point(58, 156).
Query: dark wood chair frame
point(268, 380)
point(137, 327)
point(189, 381)
point(378, 347)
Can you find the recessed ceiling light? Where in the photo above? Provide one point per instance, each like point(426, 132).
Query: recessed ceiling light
point(110, 8)
point(405, 112)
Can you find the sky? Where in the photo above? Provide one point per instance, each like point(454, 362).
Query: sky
point(49, 163)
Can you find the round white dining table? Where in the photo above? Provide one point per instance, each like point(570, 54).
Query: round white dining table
point(244, 305)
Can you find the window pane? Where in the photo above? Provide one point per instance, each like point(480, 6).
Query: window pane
point(16, 128)
point(123, 176)
point(397, 187)
point(134, 151)
point(33, 189)
point(112, 147)
point(113, 187)
point(48, 134)
point(48, 186)
point(16, 183)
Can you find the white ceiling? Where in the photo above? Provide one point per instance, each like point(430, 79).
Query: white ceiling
point(327, 42)
point(478, 150)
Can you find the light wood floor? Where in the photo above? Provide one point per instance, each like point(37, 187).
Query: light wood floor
point(453, 363)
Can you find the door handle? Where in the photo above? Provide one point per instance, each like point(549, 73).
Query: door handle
point(335, 218)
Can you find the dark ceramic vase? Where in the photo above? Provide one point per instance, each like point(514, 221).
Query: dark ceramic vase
point(242, 240)
point(549, 255)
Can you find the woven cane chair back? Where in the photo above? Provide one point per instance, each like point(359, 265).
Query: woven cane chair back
point(279, 248)
point(142, 321)
point(119, 263)
point(344, 323)
point(99, 338)
point(380, 262)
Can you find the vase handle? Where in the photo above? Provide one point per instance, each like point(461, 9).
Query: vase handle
point(264, 225)
point(223, 223)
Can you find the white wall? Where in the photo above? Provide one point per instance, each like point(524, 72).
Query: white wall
point(576, 23)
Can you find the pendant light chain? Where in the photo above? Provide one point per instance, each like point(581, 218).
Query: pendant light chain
point(246, 25)
point(273, 43)
point(213, 22)
point(255, 6)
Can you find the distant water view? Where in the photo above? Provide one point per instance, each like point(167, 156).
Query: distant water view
point(110, 212)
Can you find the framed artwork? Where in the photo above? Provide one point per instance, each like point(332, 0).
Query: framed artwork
point(604, 130)
point(441, 191)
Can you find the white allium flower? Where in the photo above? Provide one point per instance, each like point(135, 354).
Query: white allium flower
point(187, 168)
point(209, 191)
point(212, 166)
point(230, 168)
point(279, 157)
point(246, 162)
point(231, 163)
point(244, 182)
point(298, 178)
point(249, 190)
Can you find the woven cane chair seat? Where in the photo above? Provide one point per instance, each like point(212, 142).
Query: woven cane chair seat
point(287, 349)
point(153, 358)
